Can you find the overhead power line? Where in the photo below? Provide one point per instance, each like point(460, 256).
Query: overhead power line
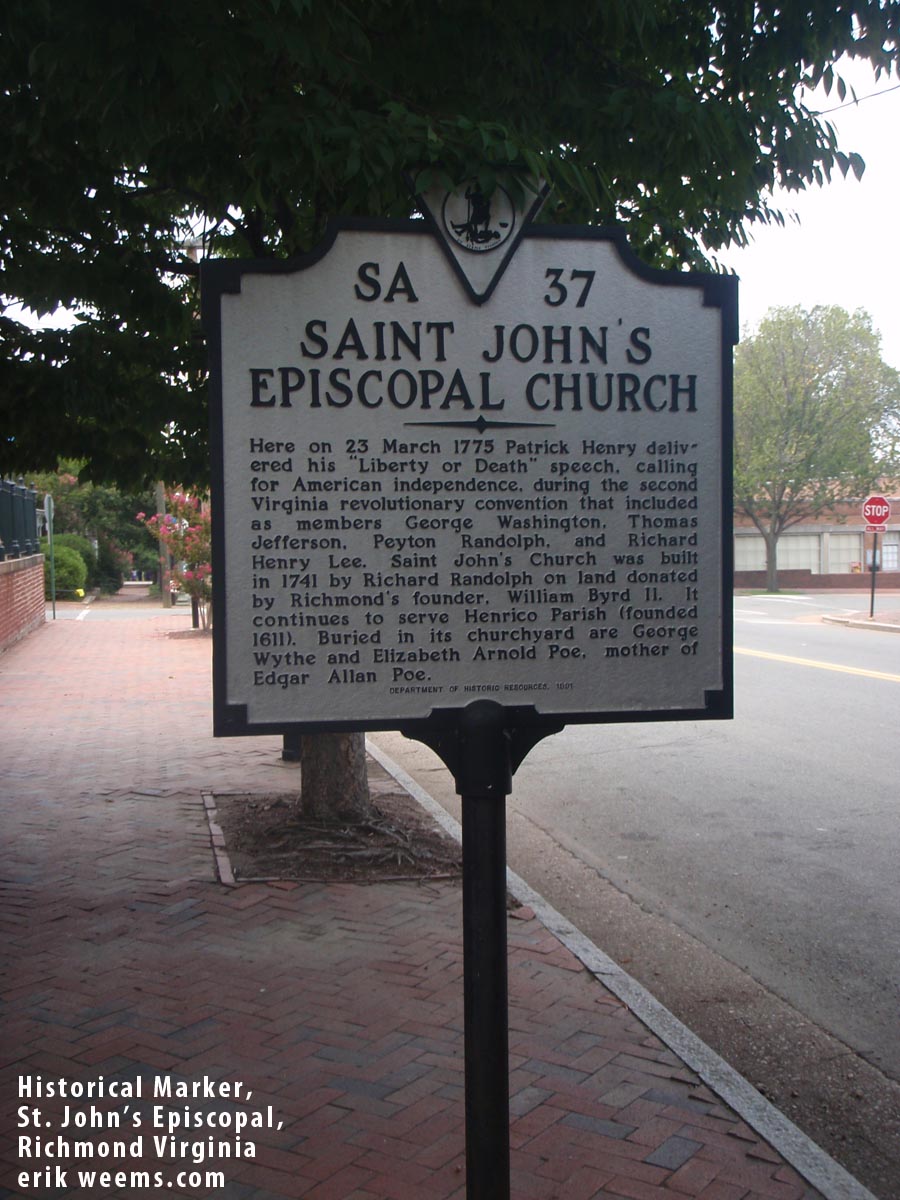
point(859, 99)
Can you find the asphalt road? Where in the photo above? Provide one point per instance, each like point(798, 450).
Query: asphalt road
point(747, 872)
point(773, 838)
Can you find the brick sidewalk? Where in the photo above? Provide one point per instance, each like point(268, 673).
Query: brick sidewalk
point(340, 1007)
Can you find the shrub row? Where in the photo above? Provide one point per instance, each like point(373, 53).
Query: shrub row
point(70, 570)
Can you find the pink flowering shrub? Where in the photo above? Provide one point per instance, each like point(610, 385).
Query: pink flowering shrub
point(184, 529)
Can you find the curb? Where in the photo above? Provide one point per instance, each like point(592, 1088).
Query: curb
point(816, 1166)
point(217, 840)
point(864, 623)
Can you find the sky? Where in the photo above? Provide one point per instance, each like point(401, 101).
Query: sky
point(846, 248)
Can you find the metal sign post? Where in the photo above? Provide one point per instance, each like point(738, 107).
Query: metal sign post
point(471, 481)
point(483, 751)
point(876, 510)
point(484, 786)
point(874, 569)
point(48, 516)
point(485, 997)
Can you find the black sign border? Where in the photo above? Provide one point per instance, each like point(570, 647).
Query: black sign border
point(443, 727)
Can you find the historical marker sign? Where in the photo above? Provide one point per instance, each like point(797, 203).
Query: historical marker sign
point(427, 494)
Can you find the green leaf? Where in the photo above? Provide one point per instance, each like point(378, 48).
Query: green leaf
point(255, 123)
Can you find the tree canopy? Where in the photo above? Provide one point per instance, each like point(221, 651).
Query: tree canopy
point(812, 396)
point(137, 137)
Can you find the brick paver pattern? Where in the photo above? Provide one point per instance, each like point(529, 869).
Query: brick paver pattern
point(340, 1006)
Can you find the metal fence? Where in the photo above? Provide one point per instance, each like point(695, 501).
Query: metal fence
point(18, 520)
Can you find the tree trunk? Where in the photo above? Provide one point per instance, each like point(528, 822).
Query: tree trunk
point(334, 777)
point(771, 540)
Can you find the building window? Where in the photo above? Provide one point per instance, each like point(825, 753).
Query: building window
point(749, 553)
point(800, 552)
point(845, 553)
point(796, 551)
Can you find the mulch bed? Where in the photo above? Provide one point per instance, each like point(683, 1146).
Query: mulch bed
point(268, 837)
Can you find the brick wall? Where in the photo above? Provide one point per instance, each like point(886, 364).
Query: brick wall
point(21, 598)
point(806, 580)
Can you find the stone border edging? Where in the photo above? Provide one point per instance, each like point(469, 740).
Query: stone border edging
point(217, 839)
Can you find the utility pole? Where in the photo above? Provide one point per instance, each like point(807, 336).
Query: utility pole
point(164, 590)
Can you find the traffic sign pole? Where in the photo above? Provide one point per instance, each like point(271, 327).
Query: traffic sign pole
point(876, 511)
point(48, 513)
point(874, 576)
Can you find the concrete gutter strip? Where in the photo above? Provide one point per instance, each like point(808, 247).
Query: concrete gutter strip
point(817, 1167)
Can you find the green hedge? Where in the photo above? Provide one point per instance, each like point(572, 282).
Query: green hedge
point(71, 572)
point(81, 545)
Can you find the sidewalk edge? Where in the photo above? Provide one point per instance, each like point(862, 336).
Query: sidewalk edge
point(816, 1166)
point(860, 623)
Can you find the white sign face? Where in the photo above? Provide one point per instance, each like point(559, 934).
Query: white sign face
point(421, 501)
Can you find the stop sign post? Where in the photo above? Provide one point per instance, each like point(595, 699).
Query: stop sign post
point(876, 511)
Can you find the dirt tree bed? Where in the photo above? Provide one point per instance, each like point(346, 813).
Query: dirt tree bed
point(268, 837)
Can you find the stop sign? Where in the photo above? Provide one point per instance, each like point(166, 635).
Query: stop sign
point(876, 511)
